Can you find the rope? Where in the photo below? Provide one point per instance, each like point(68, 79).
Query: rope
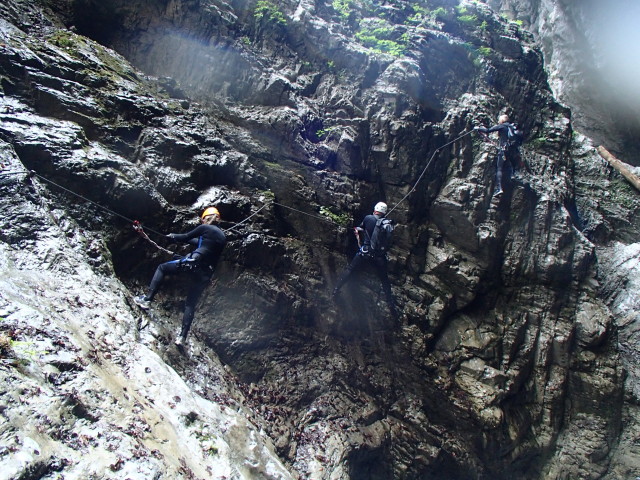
point(324, 219)
point(233, 227)
point(426, 168)
point(138, 227)
point(130, 220)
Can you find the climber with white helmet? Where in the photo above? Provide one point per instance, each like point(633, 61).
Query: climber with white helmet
point(198, 266)
point(509, 141)
point(374, 235)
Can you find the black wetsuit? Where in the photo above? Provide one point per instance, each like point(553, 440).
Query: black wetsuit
point(366, 255)
point(505, 152)
point(198, 266)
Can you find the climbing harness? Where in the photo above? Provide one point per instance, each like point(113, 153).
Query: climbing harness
point(505, 149)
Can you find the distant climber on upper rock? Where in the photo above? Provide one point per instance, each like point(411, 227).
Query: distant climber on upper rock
point(374, 236)
point(197, 267)
point(509, 141)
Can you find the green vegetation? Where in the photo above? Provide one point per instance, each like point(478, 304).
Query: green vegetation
point(325, 132)
point(273, 165)
point(538, 142)
point(518, 23)
point(269, 11)
point(477, 53)
point(468, 19)
point(426, 15)
point(207, 440)
point(64, 39)
point(268, 195)
point(110, 67)
point(420, 14)
point(440, 13)
point(378, 35)
point(622, 194)
point(340, 219)
point(372, 29)
point(22, 352)
point(344, 8)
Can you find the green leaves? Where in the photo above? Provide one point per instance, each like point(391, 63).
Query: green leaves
point(380, 36)
point(269, 11)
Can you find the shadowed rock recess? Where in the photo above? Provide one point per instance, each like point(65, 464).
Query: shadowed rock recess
point(515, 354)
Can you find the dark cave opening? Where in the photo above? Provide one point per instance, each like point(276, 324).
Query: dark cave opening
point(84, 17)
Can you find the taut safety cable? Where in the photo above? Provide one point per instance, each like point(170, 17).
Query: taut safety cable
point(426, 168)
point(324, 219)
point(138, 227)
point(273, 202)
point(32, 173)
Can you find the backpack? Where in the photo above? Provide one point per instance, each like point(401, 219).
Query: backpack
point(381, 236)
point(515, 136)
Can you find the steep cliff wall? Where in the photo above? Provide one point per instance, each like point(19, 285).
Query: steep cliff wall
point(591, 53)
point(505, 361)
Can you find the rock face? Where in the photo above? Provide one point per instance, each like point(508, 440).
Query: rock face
point(513, 356)
point(590, 53)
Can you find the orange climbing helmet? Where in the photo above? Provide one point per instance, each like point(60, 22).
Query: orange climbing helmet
point(210, 211)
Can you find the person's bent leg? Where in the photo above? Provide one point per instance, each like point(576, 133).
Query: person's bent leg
point(163, 269)
point(381, 269)
point(344, 276)
point(509, 165)
point(499, 165)
point(195, 291)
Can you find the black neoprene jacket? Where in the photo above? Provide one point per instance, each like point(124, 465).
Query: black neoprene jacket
point(210, 243)
point(368, 224)
point(503, 132)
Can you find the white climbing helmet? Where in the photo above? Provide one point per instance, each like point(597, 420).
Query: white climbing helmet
point(380, 207)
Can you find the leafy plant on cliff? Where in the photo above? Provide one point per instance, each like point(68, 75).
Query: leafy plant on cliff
point(468, 19)
point(379, 35)
point(268, 195)
point(269, 11)
point(420, 15)
point(440, 13)
point(64, 39)
point(325, 132)
point(344, 8)
point(340, 219)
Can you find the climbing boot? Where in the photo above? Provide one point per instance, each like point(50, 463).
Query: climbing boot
point(142, 302)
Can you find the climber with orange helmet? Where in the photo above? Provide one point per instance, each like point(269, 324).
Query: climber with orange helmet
point(198, 266)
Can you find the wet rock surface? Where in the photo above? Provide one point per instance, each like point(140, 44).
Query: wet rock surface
point(514, 353)
point(590, 66)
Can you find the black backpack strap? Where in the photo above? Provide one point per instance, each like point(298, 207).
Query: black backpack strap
point(378, 223)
